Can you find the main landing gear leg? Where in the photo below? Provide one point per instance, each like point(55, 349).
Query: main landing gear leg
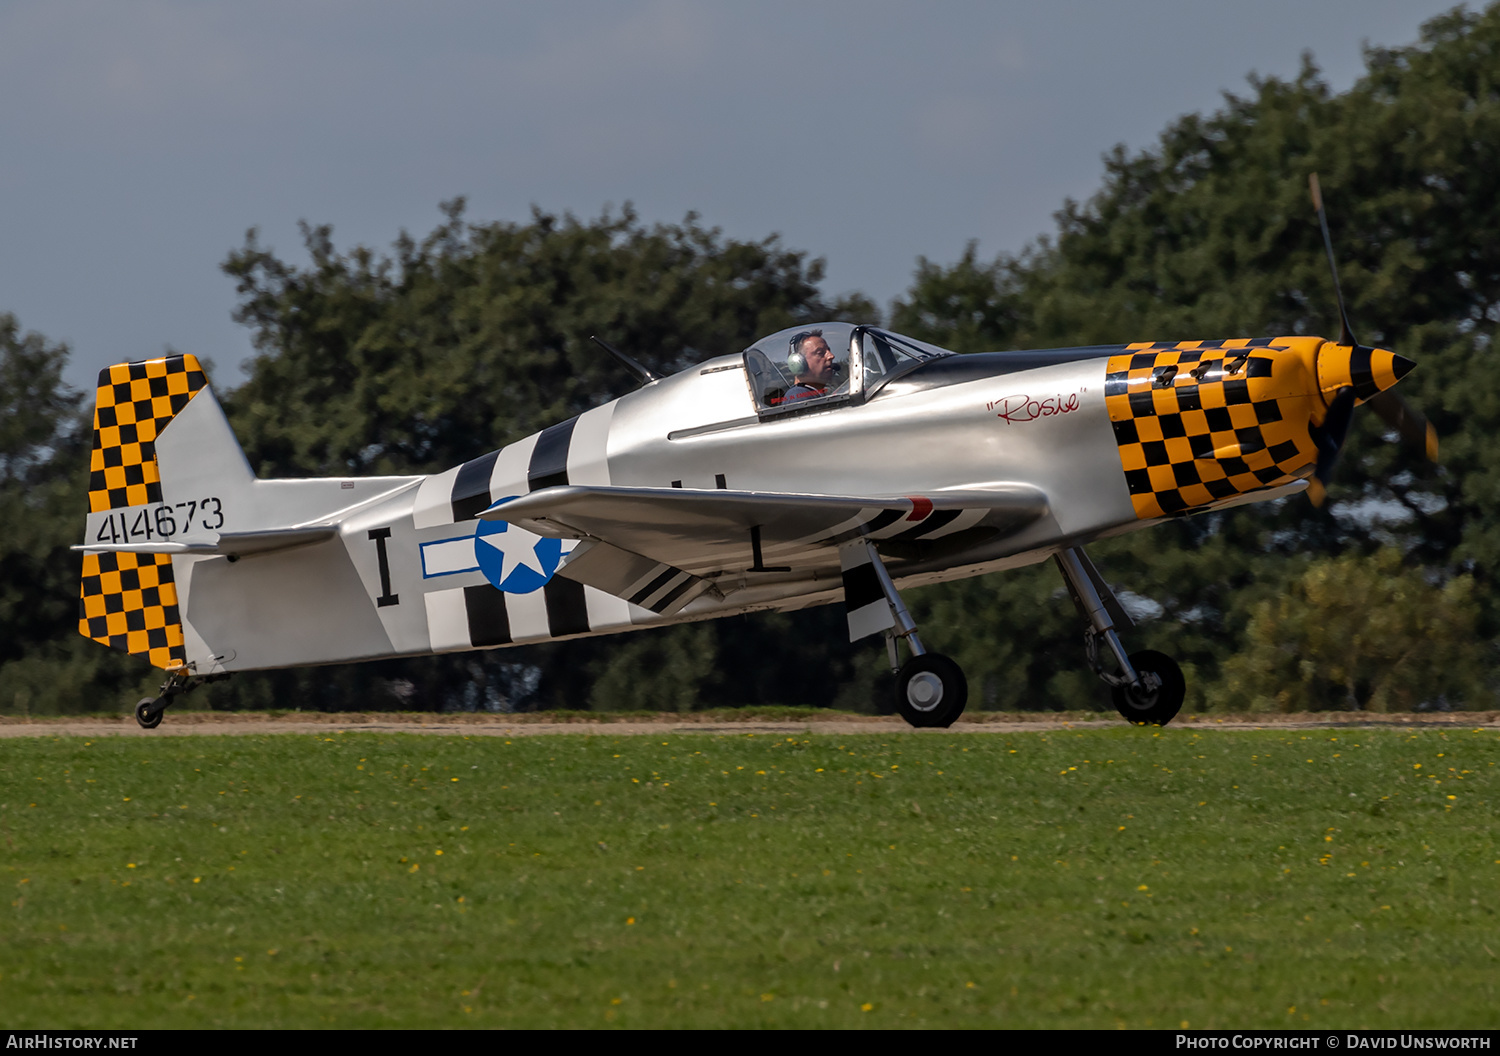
point(931, 690)
point(1148, 687)
point(149, 711)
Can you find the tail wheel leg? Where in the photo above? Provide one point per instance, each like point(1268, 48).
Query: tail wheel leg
point(149, 711)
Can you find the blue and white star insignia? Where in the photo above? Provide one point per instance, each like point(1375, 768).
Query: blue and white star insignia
point(515, 560)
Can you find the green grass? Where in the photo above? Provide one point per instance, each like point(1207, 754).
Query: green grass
point(1077, 878)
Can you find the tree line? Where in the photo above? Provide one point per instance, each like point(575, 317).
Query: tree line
point(425, 355)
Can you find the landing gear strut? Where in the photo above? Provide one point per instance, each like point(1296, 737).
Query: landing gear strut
point(1148, 687)
point(150, 709)
point(931, 690)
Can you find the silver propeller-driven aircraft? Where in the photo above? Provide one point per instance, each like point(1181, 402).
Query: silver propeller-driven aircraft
point(686, 500)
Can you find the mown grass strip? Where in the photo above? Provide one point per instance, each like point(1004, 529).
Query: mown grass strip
point(1075, 878)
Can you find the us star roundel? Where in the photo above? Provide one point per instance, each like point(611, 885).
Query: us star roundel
point(514, 560)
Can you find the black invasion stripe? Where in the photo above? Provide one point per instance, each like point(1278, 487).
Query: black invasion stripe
point(930, 525)
point(640, 596)
point(567, 612)
point(489, 623)
point(884, 518)
point(471, 488)
point(861, 586)
point(1362, 373)
point(549, 459)
point(672, 595)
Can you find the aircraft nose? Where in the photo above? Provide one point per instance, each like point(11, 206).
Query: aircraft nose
point(1368, 371)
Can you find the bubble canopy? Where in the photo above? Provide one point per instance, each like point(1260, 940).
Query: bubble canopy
point(865, 358)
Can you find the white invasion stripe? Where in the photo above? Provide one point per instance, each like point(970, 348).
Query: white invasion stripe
point(854, 553)
point(655, 597)
point(641, 584)
point(509, 475)
point(447, 620)
point(605, 610)
point(528, 616)
point(865, 515)
point(966, 519)
point(903, 524)
point(447, 556)
point(695, 589)
point(870, 619)
point(434, 505)
point(587, 463)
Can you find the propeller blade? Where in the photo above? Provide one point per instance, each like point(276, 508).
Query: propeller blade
point(1408, 422)
point(1330, 440)
point(1346, 334)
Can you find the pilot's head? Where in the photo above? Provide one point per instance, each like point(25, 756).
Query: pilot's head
point(810, 359)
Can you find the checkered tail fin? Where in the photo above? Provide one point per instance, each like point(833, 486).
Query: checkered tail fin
point(128, 600)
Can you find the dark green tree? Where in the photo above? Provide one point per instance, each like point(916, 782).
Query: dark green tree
point(45, 665)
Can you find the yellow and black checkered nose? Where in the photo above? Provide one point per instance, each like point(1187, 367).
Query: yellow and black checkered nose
point(1198, 422)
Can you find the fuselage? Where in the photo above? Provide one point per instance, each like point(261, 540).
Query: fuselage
point(1115, 437)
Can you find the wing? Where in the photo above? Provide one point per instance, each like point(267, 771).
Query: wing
point(711, 533)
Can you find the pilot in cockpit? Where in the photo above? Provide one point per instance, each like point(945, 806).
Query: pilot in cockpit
point(810, 361)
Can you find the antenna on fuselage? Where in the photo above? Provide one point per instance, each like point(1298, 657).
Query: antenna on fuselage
point(637, 368)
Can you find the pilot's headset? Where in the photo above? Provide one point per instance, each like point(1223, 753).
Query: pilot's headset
point(796, 362)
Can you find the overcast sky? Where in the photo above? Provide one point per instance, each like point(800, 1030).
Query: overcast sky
point(139, 141)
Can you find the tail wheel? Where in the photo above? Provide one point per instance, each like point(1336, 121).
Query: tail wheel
point(1158, 706)
point(931, 691)
point(148, 719)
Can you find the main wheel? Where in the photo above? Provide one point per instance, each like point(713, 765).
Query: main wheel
point(1160, 705)
point(931, 691)
point(148, 719)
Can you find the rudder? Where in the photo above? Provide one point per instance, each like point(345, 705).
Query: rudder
point(128, 601)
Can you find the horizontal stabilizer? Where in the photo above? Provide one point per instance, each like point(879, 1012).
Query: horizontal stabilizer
point(225, 544)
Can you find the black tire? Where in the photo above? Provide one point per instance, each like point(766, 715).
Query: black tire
point(931, 691)
point(148, 719)
point(1161, 705)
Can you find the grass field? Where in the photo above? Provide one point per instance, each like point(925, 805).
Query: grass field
point(1093, 878)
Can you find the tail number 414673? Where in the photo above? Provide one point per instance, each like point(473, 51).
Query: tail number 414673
point(161, 521)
